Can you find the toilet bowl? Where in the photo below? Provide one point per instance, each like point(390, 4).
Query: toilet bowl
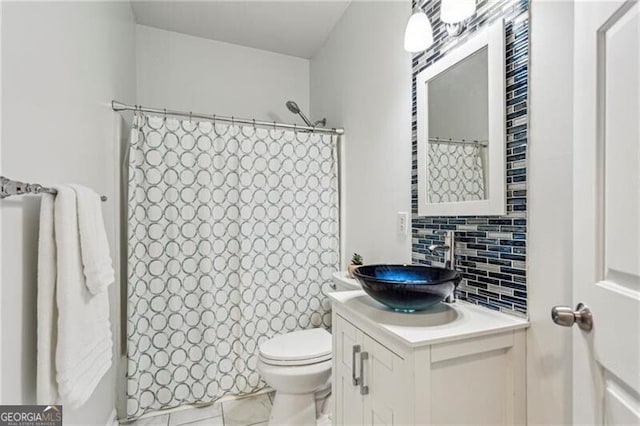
point(296, 365)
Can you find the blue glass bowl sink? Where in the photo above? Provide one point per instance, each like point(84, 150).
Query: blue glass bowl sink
point(407, 288)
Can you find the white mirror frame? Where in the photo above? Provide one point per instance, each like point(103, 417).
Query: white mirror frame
point(493, 38)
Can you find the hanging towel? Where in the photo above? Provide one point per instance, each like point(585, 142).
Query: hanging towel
point(82, 331)
point(96, 260)
point(47, 313)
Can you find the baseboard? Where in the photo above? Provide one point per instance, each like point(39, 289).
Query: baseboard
point(113, 419)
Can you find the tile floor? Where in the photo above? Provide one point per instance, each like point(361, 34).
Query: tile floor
point(250, 411)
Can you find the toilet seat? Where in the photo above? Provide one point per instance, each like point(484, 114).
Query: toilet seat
point(297, 348)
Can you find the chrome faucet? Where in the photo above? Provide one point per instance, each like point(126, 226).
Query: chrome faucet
point(449, 249)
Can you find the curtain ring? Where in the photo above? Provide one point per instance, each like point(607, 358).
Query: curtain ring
point(233, 123)
point(254, 123)
point(165, 114)
point(190, 117)
point(274, 126)
point(214, 119)
point(295, 128)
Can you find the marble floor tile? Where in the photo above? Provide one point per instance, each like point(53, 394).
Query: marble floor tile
point(246, 411)
point(193, 414)
point(250, 411)
point(150, 421)
point(211, 421)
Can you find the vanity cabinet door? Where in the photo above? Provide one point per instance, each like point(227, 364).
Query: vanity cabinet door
point(348, 403)
point(367, 379)
point(385, 402)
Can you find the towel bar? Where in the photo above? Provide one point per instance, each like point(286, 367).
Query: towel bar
point(9, 187)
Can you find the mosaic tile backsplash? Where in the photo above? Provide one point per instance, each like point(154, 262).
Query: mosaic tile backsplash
point(491, 251)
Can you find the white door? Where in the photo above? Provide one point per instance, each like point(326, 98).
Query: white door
point(606, 271)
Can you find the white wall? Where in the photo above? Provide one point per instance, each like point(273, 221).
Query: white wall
point(549, 392)
point(62, 63)
point(182, 72)
point(361, 80)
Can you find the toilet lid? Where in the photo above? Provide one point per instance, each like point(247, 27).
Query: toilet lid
point(310, 346)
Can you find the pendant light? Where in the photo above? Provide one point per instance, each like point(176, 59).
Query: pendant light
point(454, 14)
point(418, 35)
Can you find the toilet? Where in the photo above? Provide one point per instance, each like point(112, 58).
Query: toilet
point(297, 365)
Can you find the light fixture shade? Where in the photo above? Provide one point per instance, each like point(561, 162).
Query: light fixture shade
point(419, 35)
point(453, 11)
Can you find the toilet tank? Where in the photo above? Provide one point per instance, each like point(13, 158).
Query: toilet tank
point(342, 282)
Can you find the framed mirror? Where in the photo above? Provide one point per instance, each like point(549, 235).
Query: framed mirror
point(461, 129)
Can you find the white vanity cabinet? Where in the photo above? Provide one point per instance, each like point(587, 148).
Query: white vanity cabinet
point(459, 364)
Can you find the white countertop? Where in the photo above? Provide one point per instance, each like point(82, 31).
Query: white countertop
point(442, 323)
point(342, 279)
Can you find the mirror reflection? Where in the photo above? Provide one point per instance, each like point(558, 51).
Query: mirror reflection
point(458, 131)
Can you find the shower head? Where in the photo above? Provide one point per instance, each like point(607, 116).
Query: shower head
point(294, 108)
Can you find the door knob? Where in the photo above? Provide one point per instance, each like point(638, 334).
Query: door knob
point(566, 317)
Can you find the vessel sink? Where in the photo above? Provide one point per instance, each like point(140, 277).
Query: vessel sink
point(407, 288)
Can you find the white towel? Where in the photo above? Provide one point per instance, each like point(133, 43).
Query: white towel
point(83, 348)
point(47, 312)
point(98, 269)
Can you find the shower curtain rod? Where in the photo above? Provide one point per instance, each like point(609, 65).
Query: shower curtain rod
point(119, 106)
point(459, 141)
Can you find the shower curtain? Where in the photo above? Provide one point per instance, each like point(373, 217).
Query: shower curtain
point(456, 172)
point(232, 238)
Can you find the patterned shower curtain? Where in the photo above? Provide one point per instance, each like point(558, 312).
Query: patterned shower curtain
point(456, 172)
point(232, 238)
